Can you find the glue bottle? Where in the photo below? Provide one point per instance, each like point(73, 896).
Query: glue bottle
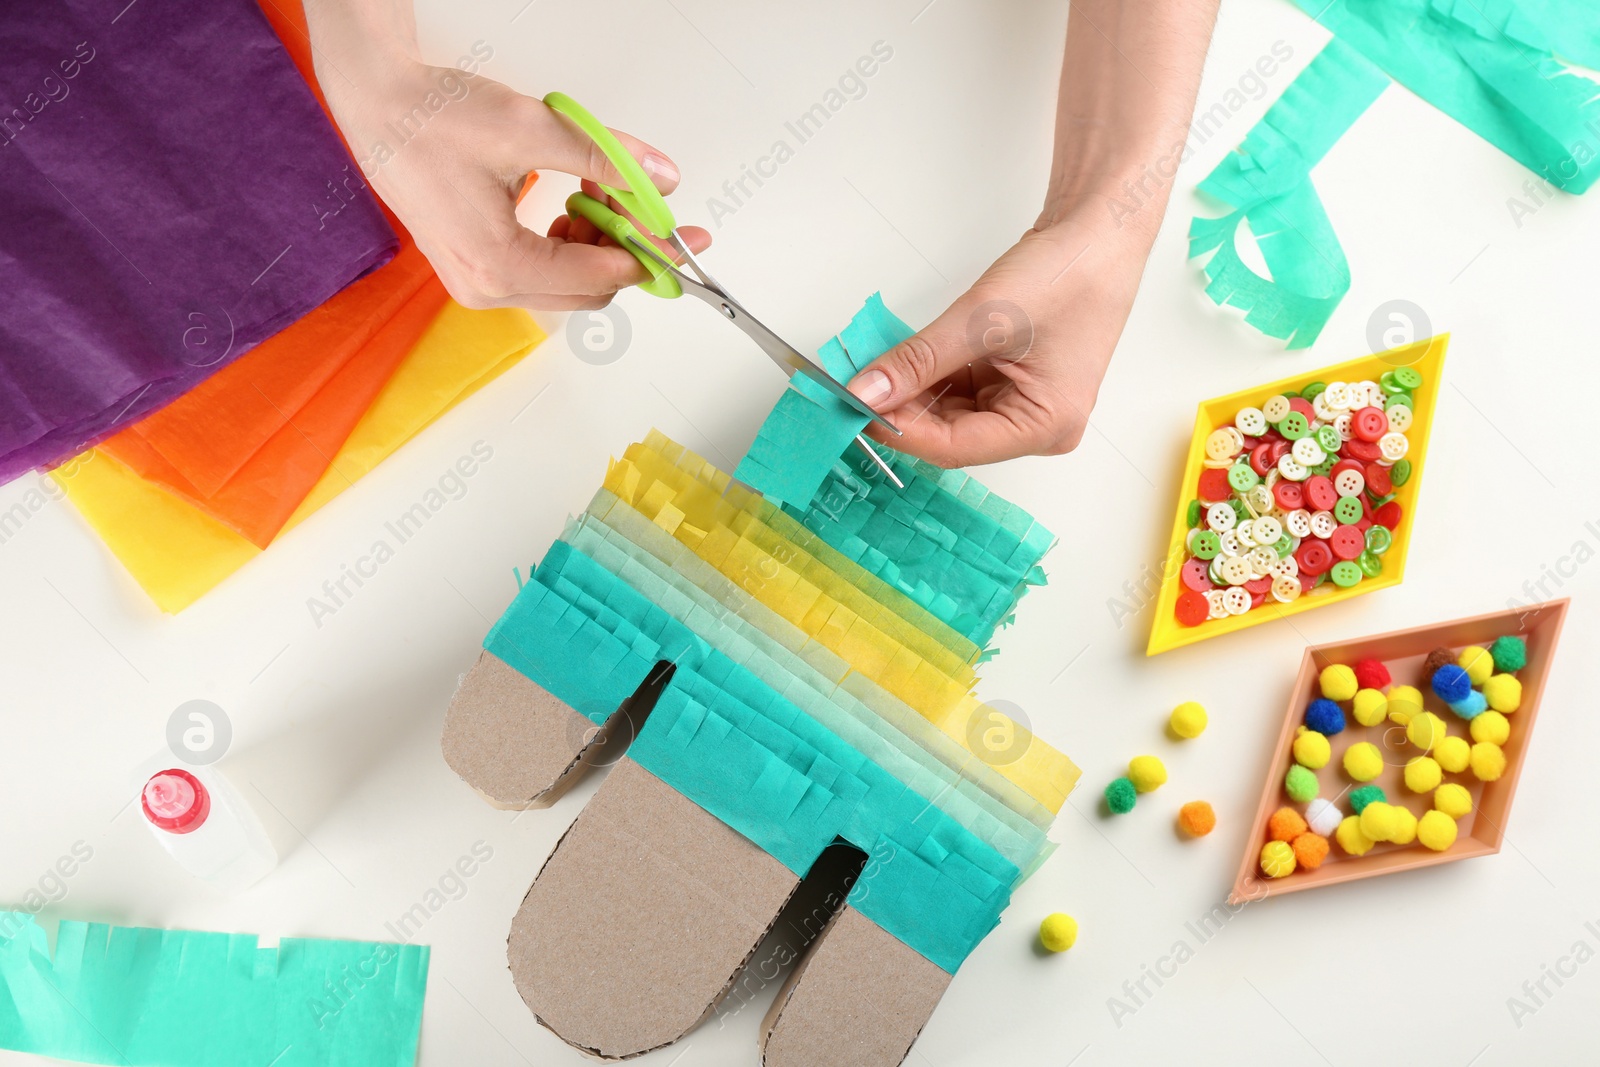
point(203, 822)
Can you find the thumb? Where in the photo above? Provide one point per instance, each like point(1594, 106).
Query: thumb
point(917, 364)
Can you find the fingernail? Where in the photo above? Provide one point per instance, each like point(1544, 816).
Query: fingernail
point(871, 387)
point(659, 166)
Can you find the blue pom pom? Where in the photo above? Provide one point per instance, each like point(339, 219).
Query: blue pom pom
point(1451, 683)
point(1325, 717)
point(1472, 706)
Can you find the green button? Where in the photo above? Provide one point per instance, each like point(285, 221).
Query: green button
point(1345, 574)
point(1294, 426)
point(1348, 510)
point(1214, 573)
point(1378, 539)
point(1400, 400)
point(1387, 383)
point(1400, 474)
point(1324, 468)
point(1328, 438)
point(1370, 564)
point(1312, 391)
point(1243, 477)
point(1195, 512)
point(1207, 544)
point(1284, 546)
point(1379, 501)
point(1407, 377)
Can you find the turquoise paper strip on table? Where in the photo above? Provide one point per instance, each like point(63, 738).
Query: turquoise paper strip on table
point(186, 998)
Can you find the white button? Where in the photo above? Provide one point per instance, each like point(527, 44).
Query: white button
point(1285, 589)
point(1308, 453)
point(1261, 560)
point(1220, 446)
point(1287, 567)
point(1270, 480)
point(1375, 395)
point(1350, 482)
point(1236, 600)
point(1276, 408)
point(1251, 421)
point(1267, 530)
point(1399, 418)
point(1214, 572)
point(1298, 522)
point(1230, 545)
point(1323, 524)
point(1337, 395)
point(1238, 438)
point(1344, 426)
point(1260, 499)
point(1218, 610)
point(1235, 570)
point(1393, 446)
point(1220, 517)
point(1188, 540)
point(1243, 533)
point(1292, 468)
point(1325, 411)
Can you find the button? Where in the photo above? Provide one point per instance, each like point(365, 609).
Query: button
point(1214, 605)
point(1298, 522)
point(1267, 530)
point(1398, 418)
point(1365, 451)
point(1401, 473)
point(1343, 426)
point(1220, 445)
point(1308, 452)
point(1284, 545)
point(1347, 542)
point(1259, 499)
point(1236, 601)
point(1312, 391)
point(1323, 524)
point(1235, 570)
point(1288, 495)
point(1242, 532)
point(1194, 577)
point(1345, 574)
point(1286, 588)
point(1251, 421)
point(1388, 515)
point(1295, 426)
point(1257, 586)
point(1220, 517)
point(1407, 377)
point(1242, 478)
point(1320, 493)
point(1303, 406)
point(1337, 396)
point(1387, 383)
point(1230, 544)
point(1214, 485)
point(1192, 609)
point(1292, 468)
point(1329, 438)
point(1378, 539)
point(1288, 567)
point(1378, 479)
point(1275, 408)
point(1349, 510)
point(1393, 446)
point(1206, 544)
point(1261, 460)
point(1314, 557)
point(1370, 564)
point(1370, 424)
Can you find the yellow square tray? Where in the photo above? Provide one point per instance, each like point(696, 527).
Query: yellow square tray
point(1427, 357)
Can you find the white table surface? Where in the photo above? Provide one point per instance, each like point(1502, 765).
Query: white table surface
point(912, 189)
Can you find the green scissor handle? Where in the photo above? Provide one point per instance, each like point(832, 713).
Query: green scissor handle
point(641, 199)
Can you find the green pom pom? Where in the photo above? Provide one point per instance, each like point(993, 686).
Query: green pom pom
point(1510, 654)
point(1121, 796)
point(1367, 794)
point(1300, 783)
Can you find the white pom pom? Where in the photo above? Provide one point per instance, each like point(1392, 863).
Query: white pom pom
point(1323, 816)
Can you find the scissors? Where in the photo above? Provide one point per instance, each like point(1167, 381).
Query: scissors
point(645, 203)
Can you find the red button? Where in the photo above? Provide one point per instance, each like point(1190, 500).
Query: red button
point(1251, 443)
point(1195, 577)
point(1214, 485)
point(1347, 542)
point(1314, 557)
point(1258, 599)
point(1261, 459)
point(1363, 450)
point(1289, 495)
point(1378, 480)
point(1192, 608)
point(1303, 406)
point(1320, 493)
point(1370, 424)
point(1257, 586)
point(1388, 515)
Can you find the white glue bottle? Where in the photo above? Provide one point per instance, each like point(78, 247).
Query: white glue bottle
point(200, 818)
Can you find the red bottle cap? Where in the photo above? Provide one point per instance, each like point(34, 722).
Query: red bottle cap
point(175, 801)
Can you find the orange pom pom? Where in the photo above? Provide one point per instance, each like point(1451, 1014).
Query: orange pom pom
point(1310, 850)
point(1285, 825)
point(1197, 818)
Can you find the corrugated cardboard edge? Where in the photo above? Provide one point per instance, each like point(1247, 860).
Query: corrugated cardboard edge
point(860, 997)
point(641, 919)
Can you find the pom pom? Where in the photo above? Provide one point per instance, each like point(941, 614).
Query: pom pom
point(1196, 818)
point(1503, 693)
point(1425, 731)
point(1325, 717)
point(1370, 708)
point(1309, 850)
point(1470, 706)
point(1510, 654)
point(1453, 753)
point(1058, 932)
point(1439, 657)
point(1285, 825)
point(1300, 784)
point(1350, 837)
point(1488, 761)
point(1323, 816)
point(1311, 749)
point(1372, 674)
point(1363, 795)
point(1121, 796)
point(1277, 859)
point(1436, 830)
point(1338, 682)
point(1379, 822)
point(1453, 800)
point(1405, 826)
point(1146, 773)
point(1477, 662)
point(1423, 774)
point(1492, 727)
point(1405, 704)
point(1188, 720)
point(1363, 761)
point(1451, 684)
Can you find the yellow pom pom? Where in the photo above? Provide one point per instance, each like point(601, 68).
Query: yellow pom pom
point(1363, 761)
point(1488, 761)
point(1277, 859)
point(1405, 829)
point(1350, 837)
point(1490, 726)
point(1405, 704)
point(1423, 774)
point(1503, 692)
point(1453, 753)
point(1146, 773)
point(1058, 932)
point(1424, 730)
point(1477, 663)
point(1188, 719)
point(1436, 830)
point(1378, 821)
point(1311, 749)
point(1453, 800)
point(1370, 708)
point(1338, 682)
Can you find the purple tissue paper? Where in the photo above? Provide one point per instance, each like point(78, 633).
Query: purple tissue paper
point(173, 195)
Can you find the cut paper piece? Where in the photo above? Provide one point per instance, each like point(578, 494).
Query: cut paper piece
point(1268, 181)
point(177, 553)
point(802, 438)
point(182, 998)
point(118, 296)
